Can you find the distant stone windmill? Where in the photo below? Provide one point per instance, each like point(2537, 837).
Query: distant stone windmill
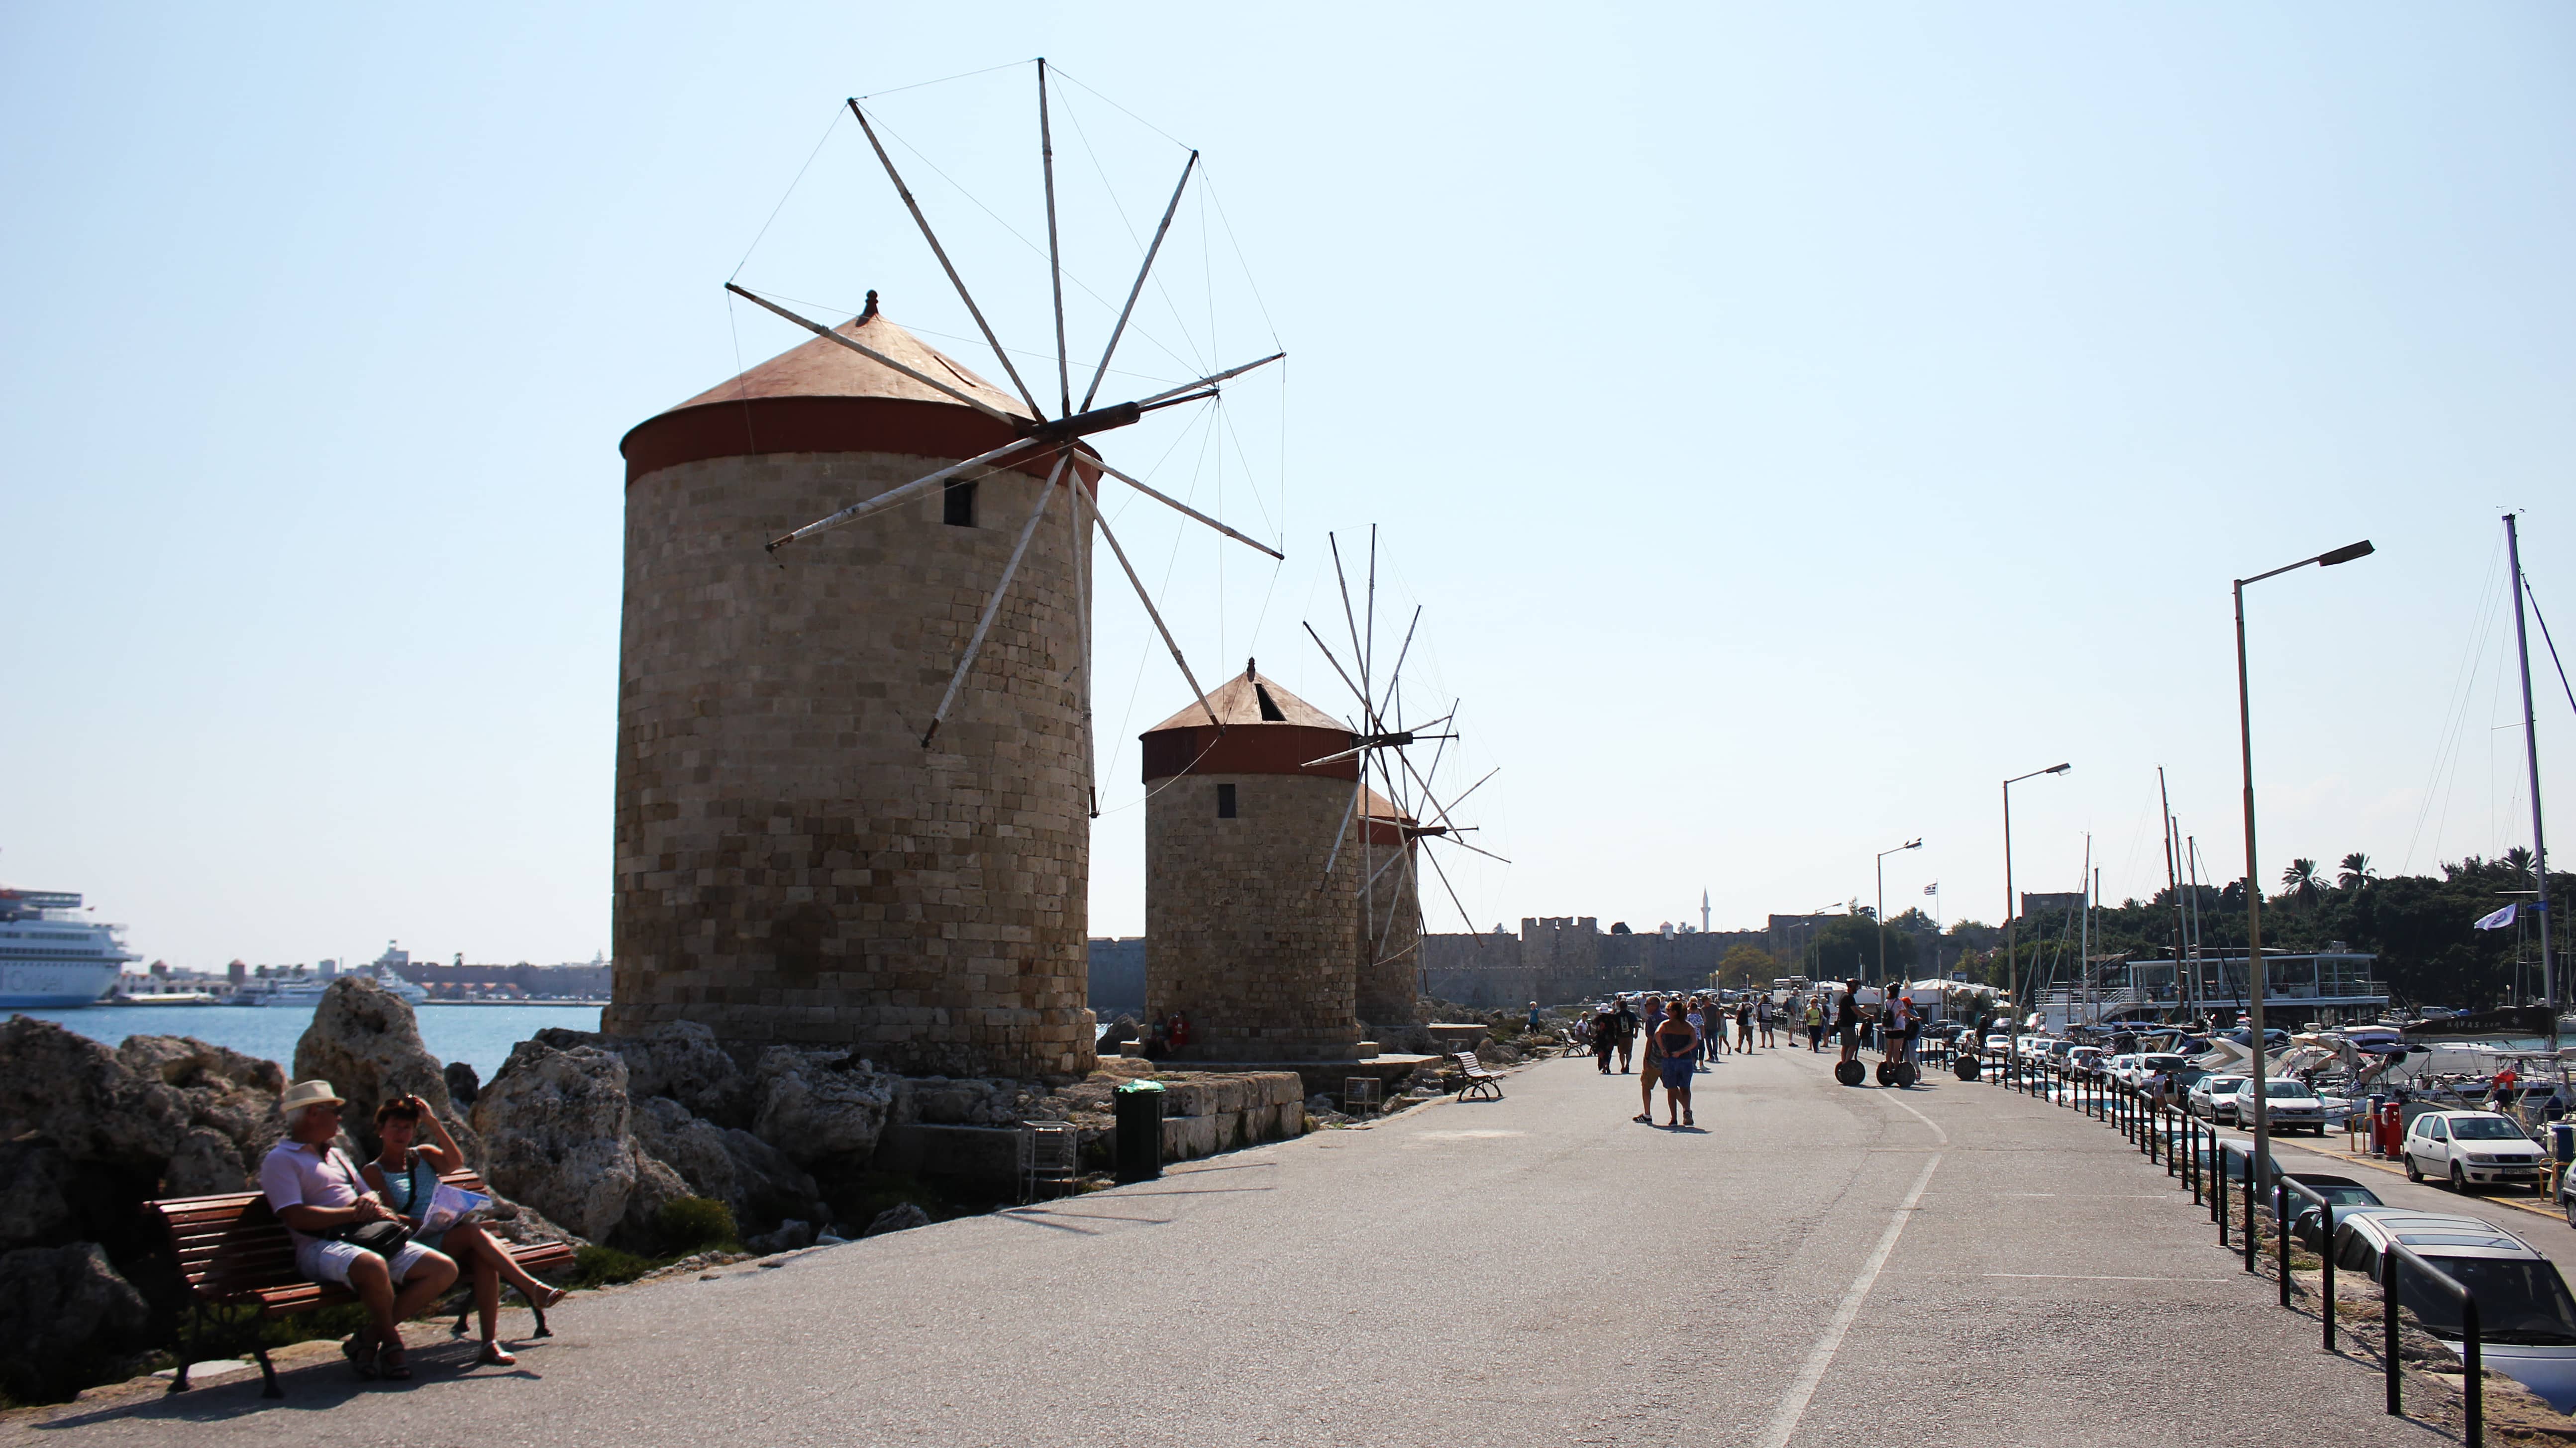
point(833, 825)
point(1393, 813)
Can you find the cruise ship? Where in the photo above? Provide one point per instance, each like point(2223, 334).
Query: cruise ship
point(50, 956)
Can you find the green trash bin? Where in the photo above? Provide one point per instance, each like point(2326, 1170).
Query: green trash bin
point(1138, 1110)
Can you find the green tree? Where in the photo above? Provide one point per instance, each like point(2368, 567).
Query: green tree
point(1847, 946)
point(2303, 882)
point(2356, 871)
point(1748, 965)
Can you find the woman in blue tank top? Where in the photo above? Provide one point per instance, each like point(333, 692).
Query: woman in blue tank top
point(405, 1175)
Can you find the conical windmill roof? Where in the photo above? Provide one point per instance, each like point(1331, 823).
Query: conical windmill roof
point(820, 396)
point(822, 368)
point(1240, 700)
point(1267, 730)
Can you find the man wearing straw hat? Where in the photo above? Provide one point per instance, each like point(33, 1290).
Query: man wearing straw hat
point(316, 1191)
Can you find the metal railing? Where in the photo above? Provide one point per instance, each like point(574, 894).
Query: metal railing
point(2206, 1163)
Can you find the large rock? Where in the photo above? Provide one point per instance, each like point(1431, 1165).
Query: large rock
point(554, 1126)
point(65, 1316)
point(37, 1187)
point(76, 1093)
point(678, 1059)
point(822, 1108)
point(462, 1084)
point(727, 1164)
point(656, 1185)
point(365, 1041)
point(207, 1162)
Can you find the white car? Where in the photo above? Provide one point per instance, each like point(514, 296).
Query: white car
point(2084, 1058)
point(2291, 1105)
point(2148, 1063)
point(2214, 1097)
point(2118, 1067)
point(2472, 1149)
point(2526, 1320)
point(1998, 1044)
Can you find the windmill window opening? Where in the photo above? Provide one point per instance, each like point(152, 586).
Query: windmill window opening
point(957, 504)
point(1270, 713)
point(1225, 801)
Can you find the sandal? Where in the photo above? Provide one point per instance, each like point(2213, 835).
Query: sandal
point(389, 1365)
point(360, 1350)
point(497, 1355)
point(552, 1296)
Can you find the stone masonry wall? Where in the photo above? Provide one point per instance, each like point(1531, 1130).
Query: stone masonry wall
point(791, 864)
point(1390, 955)
point(1237, 934)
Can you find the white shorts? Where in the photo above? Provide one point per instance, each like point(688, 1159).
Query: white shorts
point(327, 1261)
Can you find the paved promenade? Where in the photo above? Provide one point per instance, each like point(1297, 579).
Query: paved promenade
point(1816, 1265)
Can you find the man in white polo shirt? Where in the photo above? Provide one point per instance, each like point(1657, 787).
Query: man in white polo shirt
point(316, 1191)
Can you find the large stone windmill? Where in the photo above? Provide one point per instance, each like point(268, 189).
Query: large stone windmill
point(854, 763)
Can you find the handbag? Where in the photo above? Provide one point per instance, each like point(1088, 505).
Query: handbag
point(385, 1239)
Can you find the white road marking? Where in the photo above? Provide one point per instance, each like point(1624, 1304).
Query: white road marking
point(1919, 1116)
point(1793, 1407)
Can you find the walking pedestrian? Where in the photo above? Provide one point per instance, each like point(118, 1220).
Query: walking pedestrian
point(1815, 1026)
point(1651, 1062)
point(1680, 1046)
point(1762, 1014)
point(1605, 1037)
point(1624, 1030)
point(1744, 1026)
point(1698, 1020)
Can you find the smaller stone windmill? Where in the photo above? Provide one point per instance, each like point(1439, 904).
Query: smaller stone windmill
point(1394, 806)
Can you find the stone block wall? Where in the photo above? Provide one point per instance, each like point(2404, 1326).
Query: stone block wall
point(1238, 936)
point(1203, 1115)
point(791, 864)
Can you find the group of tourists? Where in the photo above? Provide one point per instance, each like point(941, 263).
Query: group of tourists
point(1718, 1027)
point(368, 1228)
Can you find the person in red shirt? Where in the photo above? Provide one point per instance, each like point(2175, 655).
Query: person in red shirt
point(1178, 1034)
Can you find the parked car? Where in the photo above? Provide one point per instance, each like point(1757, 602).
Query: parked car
point(2344, 1194)
point(2084, 1058)
point(1998, 1044)
point(2214, 1097)
point(2118, 1067)
point(2471, 1149)
point(2526, 1319)
point(2290, 1105)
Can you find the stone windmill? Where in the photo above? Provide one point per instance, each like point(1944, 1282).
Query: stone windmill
point(1393, 808)
point(853, 795)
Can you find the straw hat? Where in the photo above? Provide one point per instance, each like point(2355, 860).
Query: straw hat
point(308, 1093)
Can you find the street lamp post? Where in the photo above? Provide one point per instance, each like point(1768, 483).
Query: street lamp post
point(2012, 903)
point(1913, 844)
point(2253, 877)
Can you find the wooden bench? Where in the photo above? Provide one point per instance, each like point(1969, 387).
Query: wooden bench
point(233, 1252)
point(1469, 1078)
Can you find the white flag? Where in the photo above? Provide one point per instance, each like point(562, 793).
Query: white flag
point(1932, 889)
point(2498, 920)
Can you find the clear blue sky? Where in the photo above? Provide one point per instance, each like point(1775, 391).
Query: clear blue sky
point(1793, 419)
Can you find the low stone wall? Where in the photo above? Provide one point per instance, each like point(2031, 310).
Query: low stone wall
point(1206, 1114)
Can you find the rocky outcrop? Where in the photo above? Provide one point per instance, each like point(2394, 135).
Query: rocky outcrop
point(554, 1129)
point(37, 1186)
point(677, 1059)
point(822, 1108)
point(901, 1217)
point(462, 1084)
point(74, 1092)
point(65, 1315)
point(365, 1041)
point(727, 1164)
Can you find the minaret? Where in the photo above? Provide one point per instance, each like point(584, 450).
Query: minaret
point(1703, 912)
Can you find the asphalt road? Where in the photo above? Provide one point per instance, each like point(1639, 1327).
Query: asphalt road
point(1815, 1265)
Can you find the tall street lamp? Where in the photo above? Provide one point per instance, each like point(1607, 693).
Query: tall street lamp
point(2012, 902)
point(2253, 877)
point(1913, 844)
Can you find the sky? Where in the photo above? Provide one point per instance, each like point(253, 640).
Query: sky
point(1790, 421)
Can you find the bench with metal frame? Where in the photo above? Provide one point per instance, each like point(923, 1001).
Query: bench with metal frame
point(233, 1252)
point(1469, 1078)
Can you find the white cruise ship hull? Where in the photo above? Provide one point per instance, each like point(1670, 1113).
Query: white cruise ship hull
point(54, 987)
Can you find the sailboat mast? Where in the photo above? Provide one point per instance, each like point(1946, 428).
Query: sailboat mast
point(2173, 887)
point(2531, 759)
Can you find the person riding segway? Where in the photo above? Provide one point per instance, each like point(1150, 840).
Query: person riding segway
point(1896, 1042)
point(1848, 1017)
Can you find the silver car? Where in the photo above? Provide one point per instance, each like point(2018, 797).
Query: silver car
point(2526, 1320)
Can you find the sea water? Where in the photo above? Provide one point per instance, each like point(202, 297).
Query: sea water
point(481, 1035)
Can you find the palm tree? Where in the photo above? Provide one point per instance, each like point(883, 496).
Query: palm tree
point(2356, 871)
point(2517, 861)
point(2303, 881)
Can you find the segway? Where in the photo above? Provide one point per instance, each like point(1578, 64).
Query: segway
point(1850, 1073)
point(1967, 1067)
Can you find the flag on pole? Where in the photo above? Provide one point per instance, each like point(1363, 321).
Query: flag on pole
point(1932, 889)
point(2498, 920)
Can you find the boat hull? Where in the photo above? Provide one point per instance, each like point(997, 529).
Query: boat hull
point(54, 987)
